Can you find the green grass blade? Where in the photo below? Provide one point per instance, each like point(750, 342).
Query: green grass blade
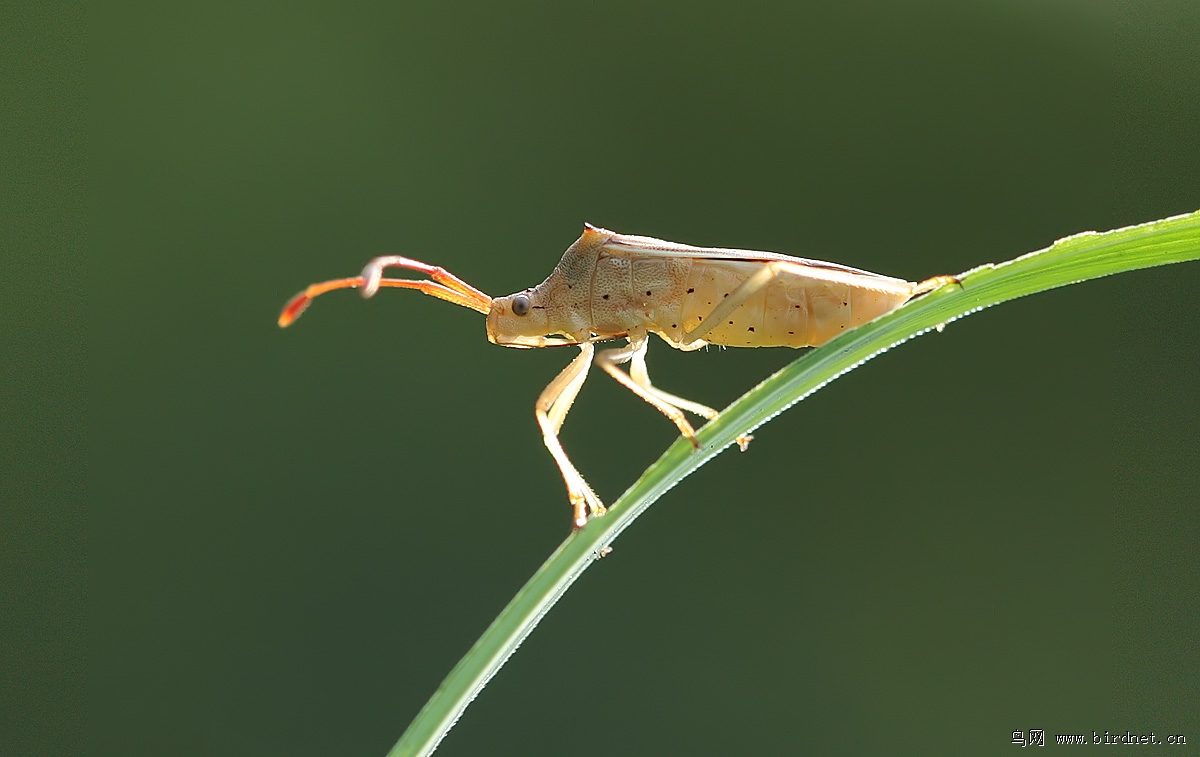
point(1078, 258)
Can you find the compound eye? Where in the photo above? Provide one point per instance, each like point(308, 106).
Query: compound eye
point(520, 305)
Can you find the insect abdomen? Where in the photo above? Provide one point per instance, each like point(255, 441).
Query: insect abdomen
point(791, 311)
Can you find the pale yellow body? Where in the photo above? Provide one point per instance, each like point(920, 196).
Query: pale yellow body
point(609, 286)
point(612, 286)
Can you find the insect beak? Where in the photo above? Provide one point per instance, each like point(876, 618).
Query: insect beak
point(529, 342)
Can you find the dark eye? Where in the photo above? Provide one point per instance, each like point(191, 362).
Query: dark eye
point(520, 305)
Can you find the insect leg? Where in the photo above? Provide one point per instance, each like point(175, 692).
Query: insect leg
point(610, 359)
point(641, 376)
point(937, 282)
point(551, 409)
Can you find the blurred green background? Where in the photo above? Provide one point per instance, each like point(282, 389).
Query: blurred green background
point(296, 534)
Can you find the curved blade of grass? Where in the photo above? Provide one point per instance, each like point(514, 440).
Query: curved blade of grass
point(1074, 259)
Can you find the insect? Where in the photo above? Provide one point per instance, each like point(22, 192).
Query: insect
point(611, 286)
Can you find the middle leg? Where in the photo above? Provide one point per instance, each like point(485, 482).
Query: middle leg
point(641, 376)
point(609, 360)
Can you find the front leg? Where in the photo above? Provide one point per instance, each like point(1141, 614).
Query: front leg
point(551, 409)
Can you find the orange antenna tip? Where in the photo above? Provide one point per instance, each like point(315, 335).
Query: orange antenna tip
point(293, 309)
point(297, 304)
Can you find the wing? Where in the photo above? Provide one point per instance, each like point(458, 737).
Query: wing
point(623, 245)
